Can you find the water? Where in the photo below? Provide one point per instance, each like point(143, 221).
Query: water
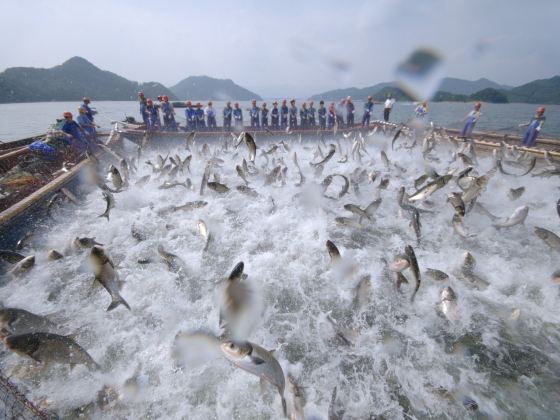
point(406, 362)
point(24, 120)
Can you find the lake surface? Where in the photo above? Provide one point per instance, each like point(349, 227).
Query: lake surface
point(23, 120)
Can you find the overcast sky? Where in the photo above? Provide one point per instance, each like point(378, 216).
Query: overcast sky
point(285, 48)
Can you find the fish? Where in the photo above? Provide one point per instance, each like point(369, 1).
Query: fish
point(367, 212)
point(11, 257)
point(247, 191)
point(15, 321)
point(336, 409)
point(114, 176)
point(400, 262)
point(273, 175)
point(556, 277)
point(143, 181)
point(173, 262)
point(409, 251)
point(79, 244)
point(205, 178)
point(362, 292)
point(468, 274)
point(168, 185)
point(189, 141)
point(237, 302)
point(430, 188)
point(105, 274)
point(125, 168)
point(515, 193)
point(558, 207)
point(25, 240)
point(456, 200)
point(251, 146)
point(420, 180)
point(346, 221)
point(258, 361)
point(395, 137)
point(44, 347)
point(448, 303)
point(459, 228)
point(330, 154)
point(241, 174)
point(436, 274)
point(110, 200)
point(549, 238)
point(204, 232)
point(298, 399)
point(416, 225)
point(334, 253)
point(216, 186)
point(478, 185)
point(54, 255)
point(517, 218)
point(23, 266)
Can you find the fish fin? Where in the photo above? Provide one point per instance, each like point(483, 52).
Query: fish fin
point(116, 301)
point(257, 360)
point(106, 215)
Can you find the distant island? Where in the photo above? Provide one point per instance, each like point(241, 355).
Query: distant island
point(77, 77)
point(545, 91)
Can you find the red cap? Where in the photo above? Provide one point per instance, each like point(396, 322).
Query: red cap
point(159, 98)
point(541, 109)
point(67, 114)
point(477, 105)
point(86, 99)
point(165, 98)
point(150, 101)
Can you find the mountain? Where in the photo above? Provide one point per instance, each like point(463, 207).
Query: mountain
point(544, 91)
point(490, 95)
point(70, 81)
point(204, 87)
point(356, 93)
point(468, 87)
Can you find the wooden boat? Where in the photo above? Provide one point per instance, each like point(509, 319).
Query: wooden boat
point(24, 210)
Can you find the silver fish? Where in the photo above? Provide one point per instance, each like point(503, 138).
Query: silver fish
point(409, 251)
point(110, 200)
point(448, 303)
point(515, 193)
point(334, 253)
point(430, 188)
point(23, 266)
point(16, 321)
point(436, 274)
point(105, 274)
point(456, 200)
point(216, 186)
point(204, 232)
point(142, 181)
point(330, 154)
point(362, 292)
point(517, 217)
point(53, 255)
point(241, 174)
point(550, 238)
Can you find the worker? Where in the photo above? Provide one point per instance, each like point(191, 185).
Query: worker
point(89, 112)
point(533, 127)
point(388, 107)
point(303, 116)
point(322, 114)
point(168, 111)
point(284, 114)
point(227, 113)
point(199, 117)
point(143, 111)
point(264, 115)
point(237, 116)
point(86, 124)
point(75, 134)
point(275, 115)
point(472, 118)
point(368, 109)
point(350, 109)
point(311, 115)
point(254, 114)
point(293, 115)
point(190, 116)
point(153, 116)
point(331, 115)
point(421, 110)
point(339, 110)
point(210, 116)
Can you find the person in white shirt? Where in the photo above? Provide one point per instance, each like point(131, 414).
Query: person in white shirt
point(388, 107)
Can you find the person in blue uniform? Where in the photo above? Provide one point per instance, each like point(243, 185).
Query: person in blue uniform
point(264, 115)
point(284, 115)
point(89, 112)
point(153, 116)
point(143, 111)
point(331, 115)
point(227, 114)
point(237, 116)
point(533, 127)
point(472, 118)
point(75, 134)
point(292, 116)
point(421, 110)
point(368, 109)
point(254, 114)
point(275, 116)
point(210, 116)
point(311, 115)
point(168, 111)
point(303, 116)
point(322, 114)
point(200, 124)
point(340, 107)
point(86, 124)
point(350, 109)
point(190, 116)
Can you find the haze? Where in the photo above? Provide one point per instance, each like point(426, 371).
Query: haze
point(285, 48)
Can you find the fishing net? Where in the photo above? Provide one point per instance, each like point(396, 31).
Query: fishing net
point(14, 405)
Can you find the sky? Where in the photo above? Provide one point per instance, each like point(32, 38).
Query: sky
point(285, 48)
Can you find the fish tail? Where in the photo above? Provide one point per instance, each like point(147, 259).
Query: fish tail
point(106, 215)
point(117, 300)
